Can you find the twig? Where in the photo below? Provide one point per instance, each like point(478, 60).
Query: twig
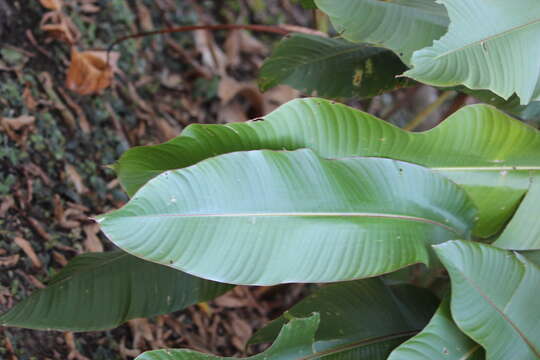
point(262, 28)
point(421, 117)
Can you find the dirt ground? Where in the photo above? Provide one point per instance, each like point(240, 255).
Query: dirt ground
point(55, 146)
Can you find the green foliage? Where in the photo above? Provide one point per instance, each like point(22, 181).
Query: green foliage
point(477, 147)
point(403, 26)
point(478, 56)
point(494, 298)
point(321, 192)
point(232, 217)
point(332, 67)
point(112, 288)
point(295, 341)
point(441, 339)
point(364, 319)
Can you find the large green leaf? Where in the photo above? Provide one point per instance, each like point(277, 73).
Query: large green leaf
point(502, 57)
point(523, 232)
point(235, 217)
point(494, 298)
point(295, 341)
point(401, 25)
point(441, 339)
point(332, 67)
point(492, 155)
point(530, 112)
point(362, 319)
point(98, 291)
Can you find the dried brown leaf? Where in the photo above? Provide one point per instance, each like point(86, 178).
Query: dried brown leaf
point(60, 32)
point(74, 354)
point(59, 258)
point(18, 122)
point(76, 179)
point(28, 250)
point(6, 204)
point(55, 5)
point(9, 261)
point(141, 330)
point(89, 72)
point(230, 301)
point(92, 243)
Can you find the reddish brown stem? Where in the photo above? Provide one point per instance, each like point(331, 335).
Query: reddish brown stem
point(261, 28)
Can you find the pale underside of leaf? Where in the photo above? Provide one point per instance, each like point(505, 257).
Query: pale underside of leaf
point(523, 231)
point(402, 26)
point(501, 57)
point(494, 298)
point(492, 155)
point(234, 217)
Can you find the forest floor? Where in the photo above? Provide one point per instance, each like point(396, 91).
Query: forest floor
point(55, 146)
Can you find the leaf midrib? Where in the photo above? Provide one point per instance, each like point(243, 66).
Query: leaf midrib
point(489, 38)
point(360, 343)
point(479, 290)
point(350, 49)
point(301, 214)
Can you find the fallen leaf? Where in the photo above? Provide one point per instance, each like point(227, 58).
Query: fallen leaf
point(92, 242)
point(140, 329)
point(74, 354)
point(229, 301)
point(29, 100)
point(76, 179)
point(60, 32)
point(6, 204)
point(9, 261)
point(55, 5)
point(28, 250)
point(18, 122)
point(59, 258)
point(89, 72)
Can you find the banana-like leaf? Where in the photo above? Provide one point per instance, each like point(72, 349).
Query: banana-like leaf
point(268, 217)
point(98, 291)
point(362, 319)
point(530, 112)
point(533, 256)
point(523, 231)
point(403, 25)
point(494, 298)
point(441, 339)
point(502, 57)
point(295, 341)
point(332, 67)
point(492, 155)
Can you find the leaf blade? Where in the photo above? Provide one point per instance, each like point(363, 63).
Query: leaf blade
point(331, 67)
point(440, 339)
point(403, 26)
point(493, 298)
point(279, 210)
point(99, 291)
point(492, 155)
point(476, 56)
point(294, 342)
point(364, 319)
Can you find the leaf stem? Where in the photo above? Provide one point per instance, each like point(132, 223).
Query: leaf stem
point(422, 116)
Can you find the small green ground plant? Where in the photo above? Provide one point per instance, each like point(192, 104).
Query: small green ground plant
point(319, 192)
